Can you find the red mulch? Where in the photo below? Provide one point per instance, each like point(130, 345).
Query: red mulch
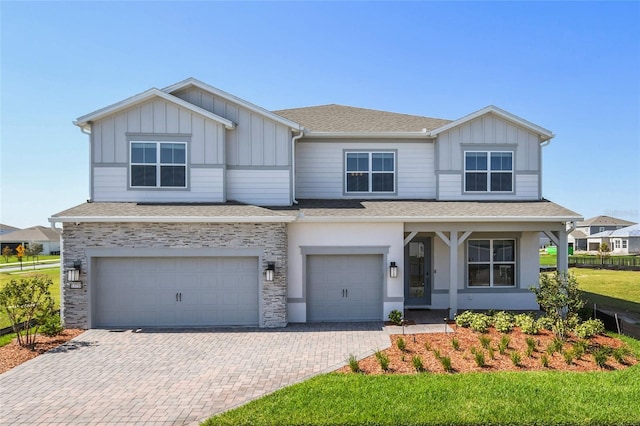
point(463, 361)
point(13, 354)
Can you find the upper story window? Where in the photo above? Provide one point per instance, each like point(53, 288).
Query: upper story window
point(158, 165)
point(370, 172)
point(488, 171)
point(491, 263)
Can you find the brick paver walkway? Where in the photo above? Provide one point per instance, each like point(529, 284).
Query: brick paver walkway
point(173, 377)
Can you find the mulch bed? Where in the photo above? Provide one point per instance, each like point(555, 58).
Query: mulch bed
point(13, 354)
point(463, 360)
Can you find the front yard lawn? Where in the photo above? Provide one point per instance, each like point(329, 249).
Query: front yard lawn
point(507, 398)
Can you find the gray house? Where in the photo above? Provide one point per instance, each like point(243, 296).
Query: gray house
point(206, 210)
point(592, 226)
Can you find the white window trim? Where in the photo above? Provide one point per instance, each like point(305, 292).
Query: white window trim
point(625, 244)
point(491, 262)
point(158, 164)
point(489, 171)
point(371, 172)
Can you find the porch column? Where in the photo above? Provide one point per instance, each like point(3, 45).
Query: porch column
point(562, 259)
point(453, 273)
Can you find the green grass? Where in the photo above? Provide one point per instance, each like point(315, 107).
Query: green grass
point(509, 398)
point(14, 260)
point(547, 259)
point(616, 290)
point(53, 273)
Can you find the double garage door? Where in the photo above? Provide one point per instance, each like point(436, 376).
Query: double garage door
point(344, 288)
point(167, 292)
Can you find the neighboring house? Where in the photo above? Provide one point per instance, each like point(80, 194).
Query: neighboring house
point(208, 210)
point(620, 241)
point(6, 229)
point(583, 230)
point(49, 239)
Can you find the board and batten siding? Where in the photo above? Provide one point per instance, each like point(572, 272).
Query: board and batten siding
point(109, 135)
point(488, 133)
point(264, 187)
point(205, 185)
point(320, 167)
point(256, 140)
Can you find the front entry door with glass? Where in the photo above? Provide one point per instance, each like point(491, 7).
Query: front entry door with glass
point(417, 286)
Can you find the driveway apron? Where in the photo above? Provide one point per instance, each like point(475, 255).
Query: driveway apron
point(173, 377)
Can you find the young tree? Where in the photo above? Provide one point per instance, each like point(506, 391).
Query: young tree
point(604, 250)
point(24, 302)
point(32, 251)
point(559, 296)
point(7, 253)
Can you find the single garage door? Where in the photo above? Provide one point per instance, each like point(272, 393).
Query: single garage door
point(344, 288)
point(168, 292)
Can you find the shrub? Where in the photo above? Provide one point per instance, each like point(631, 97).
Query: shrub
point(402, 345)
point(504, 344)
point(544, 360)
point(600, 356)
point(527, 324)
point(446, 364)
point(558, 295)
point(589, 328)
point(52, 326)
point(464, 319)
point(478, 356)
point(383, 360)
point(503, 322)
point(516, 359)
point(417, 363)
point(480, 323)
point(353, 364)
point(491, 352)
point(568, 356)
point(555, 346)
point(485, 341)
point(579, 348)
point(545, 323)
point(620, 353)
point(427, 345)
point(25, 301)
point(455, 343)
point(395, 317)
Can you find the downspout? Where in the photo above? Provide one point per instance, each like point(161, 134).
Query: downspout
point(293, 165)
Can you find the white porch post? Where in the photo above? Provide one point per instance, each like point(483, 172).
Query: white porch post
point(562, 259)
point(453, 273)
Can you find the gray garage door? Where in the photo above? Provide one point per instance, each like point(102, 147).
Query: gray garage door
point(344, 288)
point(202, 291)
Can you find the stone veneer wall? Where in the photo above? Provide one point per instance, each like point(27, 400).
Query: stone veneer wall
point(272, 237)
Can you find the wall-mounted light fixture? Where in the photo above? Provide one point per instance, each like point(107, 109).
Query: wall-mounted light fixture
point(73, 275)
point(393, 270)
point(268, 273)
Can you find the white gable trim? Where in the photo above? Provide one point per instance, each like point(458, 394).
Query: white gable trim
point(228, 96)
point(544, 133)
point(145, 96)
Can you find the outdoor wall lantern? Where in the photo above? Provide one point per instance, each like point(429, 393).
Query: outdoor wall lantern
point(393, 270)
point(73, 275)
point(268, 273)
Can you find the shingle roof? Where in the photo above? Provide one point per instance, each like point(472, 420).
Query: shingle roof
point(35, 233)
point(341, 118)
point(629, 231)
point(396, 210)
point(604, 221)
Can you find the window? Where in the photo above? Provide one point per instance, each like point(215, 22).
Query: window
point(370, 172)
point(601, 229)
point(616, 243)
point(488, 171)
point(624, 244)
point(158, 165)
point(492, 263)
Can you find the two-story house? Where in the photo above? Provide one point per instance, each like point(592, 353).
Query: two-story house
point(208, 210)
point(593, 226)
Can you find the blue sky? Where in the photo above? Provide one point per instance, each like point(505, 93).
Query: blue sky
point(570, 67)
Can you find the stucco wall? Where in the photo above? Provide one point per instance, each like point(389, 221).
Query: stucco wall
point(270, 238)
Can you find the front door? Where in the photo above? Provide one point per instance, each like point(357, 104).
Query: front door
point(417, 285)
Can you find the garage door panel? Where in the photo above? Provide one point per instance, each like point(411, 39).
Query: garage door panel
point(142, 291)
point(344, 287)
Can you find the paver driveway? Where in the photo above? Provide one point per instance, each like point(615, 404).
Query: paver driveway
point(173, 376)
